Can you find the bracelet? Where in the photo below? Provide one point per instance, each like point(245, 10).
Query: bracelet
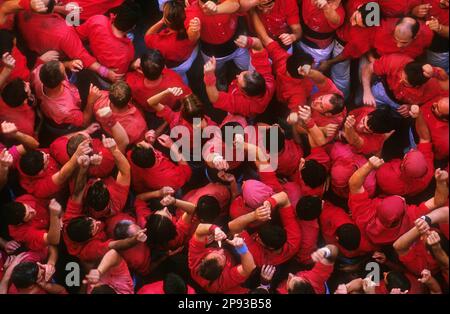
point(210, 79)
point(427, 220)
point(249, 42)
point(327, 252)
point(212, 228)
point(242, 250)
point(103, 71)
point(273, 202)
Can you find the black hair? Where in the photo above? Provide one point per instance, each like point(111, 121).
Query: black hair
point(14, 213)
point(32, 162)
point(25, 275)
point(79, 229)
point(97, 196)
point(208, 209)
point(297, 60)
point(314, 174)
point(174, 13)
point(301, 287)
point(383, 120)
point(259, 290)
point(396, 279)
point(255, 84)
point(14, 93)
point(120, 94)
point(73, 143)
point(273, 236)
point(338, 103)
point(160, 230)
point(414, 74)
point(309, 208)
point(51, 75)
point(121, 229)
point(103, 289)
point(50, 6)
point(152, 64)
point(174, 284)
point(6, 41)
point(349, 236)
point(281, 139)
point(127, 16)
point(143, 157)
point(210, 269)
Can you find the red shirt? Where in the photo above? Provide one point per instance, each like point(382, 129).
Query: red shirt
point(237, 102)
point(158, 288)
point(174, 50)
point(438, 129)
point(31, 234)
point(110, 50)
point(373, 143)
point(277, 21)
point(333, 217)
point(131, 119)
point(440, 13)
point(93, 249)
point(398, 8)
point(21, 69)
point(118, 278)
point(419, 258)
point(384, 41)
point(163, 173)
point(308, 244)
point(289, 159)
point(41, 185)
point(229, 281)
point(22, 116)
point(262, 255)
point(58, 150)
point(392, 181)
point(416, 286)
point(44, 32)
point(317, 277)
point(215, 29)
point(141, 91)
point(90, 8)
point(294, 92)
point(315, 19)
point(392, 66)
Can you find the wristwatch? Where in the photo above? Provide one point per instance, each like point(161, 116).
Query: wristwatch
point(427, 219)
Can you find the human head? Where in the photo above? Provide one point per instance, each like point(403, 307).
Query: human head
point(212, 265)
point(414, 164)
point(127, 16)
point(98, 198)
point(52, 74)
point(152, 64)
point(255, 192)
point(33, 162)
point(231, 129)
point(397, 280)
point(120, 94)
point(143, 156)
point(15, 93)
point(309, 208)
point(380, 121)
point(25, 274)
point(391, 211)
point(313, 174)
point(298, 285)
point(160, 228)
point(296, 61)
point(174, 284)
point(440, 109)
point(413, 76)
point(348, 236)
point(252, 83)
point(329, 104)
point(406, 31)
point(74, 142)
point(83, 228)
point(16, 213)
point(341, 172)
point(174, 16)
point(272, 236)
point(125, 229)
point(208, 209)
point(192, 107)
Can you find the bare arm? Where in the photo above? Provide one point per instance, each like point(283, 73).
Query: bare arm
point(330, 12)
point(404, 243)
point(228, 7)
point(441, 193)
point(356, 182)
point(155, 28)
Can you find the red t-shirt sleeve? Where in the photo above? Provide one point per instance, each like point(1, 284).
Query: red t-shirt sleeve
point(73, 210)
point(167, 114)
point(94, 250)
point(58, 150)
point(361, 207)
point(74, 49)
point(270, 179)
point(25, 4)
point(318, 276)
point(278, 56)
point(46, 187)
point(34, 239)
point(292, 16)
point(293, 233)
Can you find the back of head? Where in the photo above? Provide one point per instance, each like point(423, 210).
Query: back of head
point(414, 74)
point(6, 41)
point(127, 16)
point(383, 120)
point(397, 280)
point(120, 94)
point(73, 143)
point(32, 162)
point(230, 130)
point(415, 164)
point(79, 229)
point(309, 208)
point(192, 107)
point(338, 103)
point(121, 230)
point(13, 213)
point(210, 269)
point(301, 287)
point(349, 236)
point(174, 14)
point(103, 289)
point(152, 64)
point(174, 284)
point(297, 60)
point(255, 84)
point(314, 174)
point(24, 275)
point(272, 236)
point(208, 209)
point(408, 26)
point(14, 93)
point(97, 196)
point(143, 157)
point(51, 75)
point(160, 230)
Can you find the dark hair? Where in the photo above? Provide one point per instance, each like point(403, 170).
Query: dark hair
point(127, 16)
point(314, 174)
point(349, 236)
point(192, 107)
point(302, 287)
point(160, 230)
point(414, 74)
point(14, 213)
point(103, 289)
point(382, 120)
point(259, 290)
point(297, 60)
point(281, 139)
point(50, 6)
point(6, 41)
point(309, 208)
point(97, 196)
point(121, 229)
point(236, 127)
point(208, 209)
point(24, 275)
point(338, 103)
point(14, 93)
point(79, 229)
point(396, 279)
point(152, 64)
point(143, 157)
point(365, 10)
point(210, 269)
point(120, 94)
point(255, 84)
point(273, 236)
point(73, 143)
point(32, 162)
point(51, 75)
point(174, 284)
point(174, 13)
point(413, 27)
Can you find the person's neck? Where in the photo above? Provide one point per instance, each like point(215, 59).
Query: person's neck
point(149, 83)
point(114, 109)
point(54, 92)
point(118, 33)
point(30, 290)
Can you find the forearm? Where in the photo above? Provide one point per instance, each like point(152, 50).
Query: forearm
point(248, 263)
point(52, 288)
point(317, 136)
point(121, 245)
point(121, 162)
point(213, 93)
point(87, 114)
point(109, 261)
point(202, 231)
point(353, 138)
point(441, 194)
point(155, 101)
point(433, 286)
point(155, 28)
point(440, 256)
point(404, 243)
point(63, 175)
point(318, 78)
point(354, 286)
point(26, 140)
point(228, 7)
point(54, 231)
point(332, 15)
point(120, 136)
point(247, 5)
point(3, 179)
point(338, 59)
point(439, 216)
point(297, 31)
point(187, 207)
point(4, 75)
point(357, 179)
point(366, 78)
point(80, 184)
point(234, 189)
point(52, 255)
point(422, 130)
point(149, 195)
point(239, 224)
point(260, 29)
point(281, 199)
point(175, 153)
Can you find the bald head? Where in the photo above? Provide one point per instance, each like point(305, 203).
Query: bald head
point(443, 106)
point(405, 31)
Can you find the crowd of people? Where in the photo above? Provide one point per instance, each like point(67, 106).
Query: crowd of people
point(339, 108)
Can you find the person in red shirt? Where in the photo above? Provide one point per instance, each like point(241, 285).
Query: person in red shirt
point(385, 219)
point(169, 36)
point(115, 107)
point(308, 210)
point(215, 25)
point(320, 20)
point(152, 77)
point(172, 284)
point(89, 8)
point(399, 8)
point(9, 46)
point(251, 92)
point(31, 224)
point(106, 35)
point(435, 112)
point(151, 170)
point(8, 8)
point(213, 267)
point(312, 281)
